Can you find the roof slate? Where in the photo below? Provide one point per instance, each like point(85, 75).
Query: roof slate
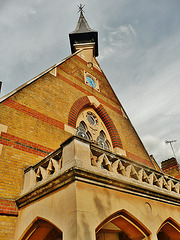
point(82, 25)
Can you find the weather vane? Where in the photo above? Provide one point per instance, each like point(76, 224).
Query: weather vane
point(170, 142)
point(81, 8)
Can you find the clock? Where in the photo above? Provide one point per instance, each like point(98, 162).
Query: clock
point(90, 81)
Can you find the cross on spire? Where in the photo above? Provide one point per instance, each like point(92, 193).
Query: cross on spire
point(81, 8)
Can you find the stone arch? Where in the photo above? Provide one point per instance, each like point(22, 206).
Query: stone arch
point(90, 101)
point(169, 230)
point(42, 229)
point(122, 225)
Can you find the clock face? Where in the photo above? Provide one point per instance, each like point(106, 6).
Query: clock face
point(90, 81)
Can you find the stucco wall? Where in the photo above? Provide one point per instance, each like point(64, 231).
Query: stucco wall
point(78, 209)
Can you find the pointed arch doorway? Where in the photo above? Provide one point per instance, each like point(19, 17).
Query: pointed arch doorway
point(169, 230)
point(122, 227)
point(42, 230)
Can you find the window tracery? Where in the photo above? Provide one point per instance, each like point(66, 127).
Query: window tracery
point(82, 131)
point(92, 119)
point(90, 126)
point(102, 141)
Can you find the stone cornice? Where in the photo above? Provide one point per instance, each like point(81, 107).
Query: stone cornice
point(99, 178)
point(79, 160)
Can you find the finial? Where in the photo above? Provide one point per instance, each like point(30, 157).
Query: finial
point(81, 8)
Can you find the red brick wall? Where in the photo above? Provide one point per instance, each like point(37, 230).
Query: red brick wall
point(8, 207)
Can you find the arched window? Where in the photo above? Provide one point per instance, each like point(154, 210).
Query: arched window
point(90, 126)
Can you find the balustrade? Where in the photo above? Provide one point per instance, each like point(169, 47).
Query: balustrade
point(101, 159)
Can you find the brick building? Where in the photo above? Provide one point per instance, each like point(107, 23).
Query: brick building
point(171, 167)
point(72, 164)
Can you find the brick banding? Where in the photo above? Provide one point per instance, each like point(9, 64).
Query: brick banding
point(85, 63)
point(139, 159)
point(24, 145)
point(81, 70)
point(88, 93)
point(33, 113)
point(8, 207)
point(75, 110)
point(116, 141)
point(83, 103)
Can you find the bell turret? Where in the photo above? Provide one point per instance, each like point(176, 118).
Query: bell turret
point(83, 35)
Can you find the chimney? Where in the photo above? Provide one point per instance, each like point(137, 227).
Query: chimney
point(171, 167)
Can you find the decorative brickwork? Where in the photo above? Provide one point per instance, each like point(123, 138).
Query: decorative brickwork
point(169, 164)
point(85, 63)
point(71, 67)
point(8, 207)
point(89, 93)
point(24, 145)
point(105, 88)
point(171, 167)
point(83, 103)
point(75, 110)
point(33, 113)
point(139, 159)
point(116, 141)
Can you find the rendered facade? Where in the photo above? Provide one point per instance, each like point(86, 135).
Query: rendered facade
point(72, 164)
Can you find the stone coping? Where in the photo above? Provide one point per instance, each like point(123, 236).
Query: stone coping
point(98, 167)
point(110, 181)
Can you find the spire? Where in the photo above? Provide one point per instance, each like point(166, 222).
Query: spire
point(83, 34)
point(82, 25)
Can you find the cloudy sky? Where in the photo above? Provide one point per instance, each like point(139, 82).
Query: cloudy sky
point(139, 51)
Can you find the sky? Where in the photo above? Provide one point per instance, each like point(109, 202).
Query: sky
point(139, 51)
